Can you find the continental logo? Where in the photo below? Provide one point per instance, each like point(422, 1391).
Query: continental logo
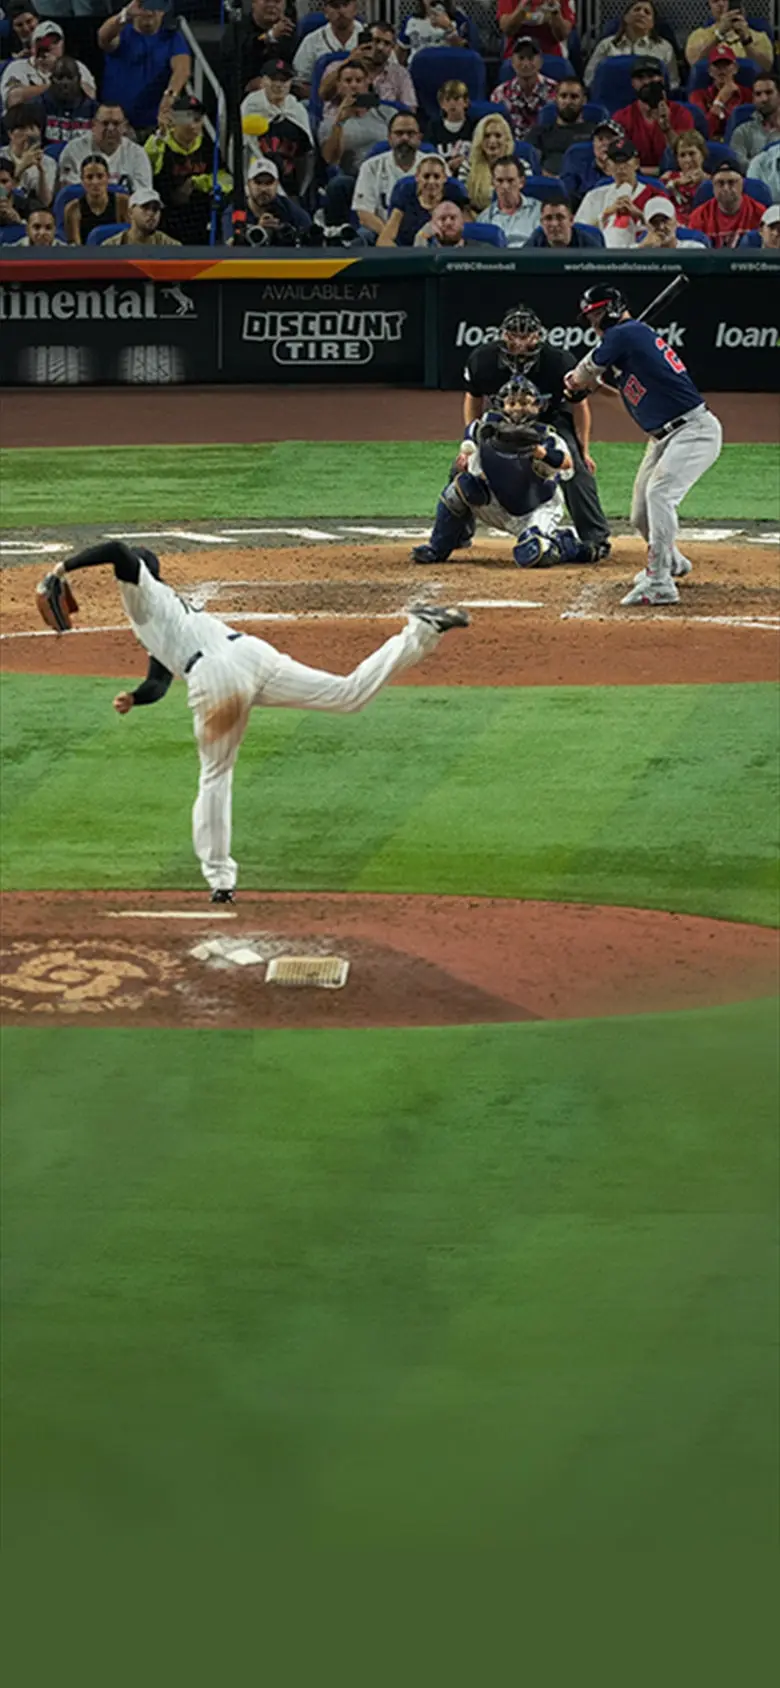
point(111, 303)
point(332, 337)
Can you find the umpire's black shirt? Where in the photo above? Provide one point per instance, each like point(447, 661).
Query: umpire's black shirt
point(488, 368)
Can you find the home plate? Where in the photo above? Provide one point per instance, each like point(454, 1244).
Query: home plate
point(328, 971)
point(171, 914)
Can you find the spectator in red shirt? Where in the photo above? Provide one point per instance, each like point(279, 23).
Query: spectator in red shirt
point(731, 212)
point(527, 91)
point(549, 22)
point(651, 121)
point(723, 93)
point(683, 182)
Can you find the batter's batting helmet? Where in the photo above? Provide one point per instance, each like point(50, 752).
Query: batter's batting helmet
point(606, 302)
point(521, 320)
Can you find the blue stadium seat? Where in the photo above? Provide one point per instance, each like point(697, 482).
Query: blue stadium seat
point(693, 237)
point(74, 190)
point(484, 231)
point(755, 190)
point(11, 233)
point(97, 236)
point(529, 155)
point(433, 66)
point(312, 20)
point(742, 114)
point(54, 148)
point(699, 119)
point(612, 84)
point(545, 187)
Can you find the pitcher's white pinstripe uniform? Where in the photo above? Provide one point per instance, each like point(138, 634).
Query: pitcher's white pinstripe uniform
point(228, 674)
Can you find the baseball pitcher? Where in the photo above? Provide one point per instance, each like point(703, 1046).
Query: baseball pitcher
point(227, 675)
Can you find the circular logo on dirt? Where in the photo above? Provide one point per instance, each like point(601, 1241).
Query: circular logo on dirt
point(83, 977)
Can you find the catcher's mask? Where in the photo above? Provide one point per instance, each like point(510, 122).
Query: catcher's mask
point(522, 321)
point(519, 398)
point(601, 307)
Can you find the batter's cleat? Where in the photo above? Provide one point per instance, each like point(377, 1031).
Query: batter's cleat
point(648, 590)
point(426, 554)
point(223, 896)
point(681, 565)
point(442, 619)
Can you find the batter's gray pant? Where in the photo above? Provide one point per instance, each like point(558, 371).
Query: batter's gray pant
point(668, 470)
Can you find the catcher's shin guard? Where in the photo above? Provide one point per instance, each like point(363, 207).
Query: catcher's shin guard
point(450, 530)
point(532, 550)
point(569, 548)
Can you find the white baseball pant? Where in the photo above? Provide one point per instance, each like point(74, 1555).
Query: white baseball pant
point(224, 685)
point(548, 518)
point(668, 470)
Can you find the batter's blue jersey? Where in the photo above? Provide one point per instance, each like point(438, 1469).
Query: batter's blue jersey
point(653, 381)
point(512, 480)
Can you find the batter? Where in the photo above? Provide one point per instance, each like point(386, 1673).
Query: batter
point(227, 675)
point(685, 437)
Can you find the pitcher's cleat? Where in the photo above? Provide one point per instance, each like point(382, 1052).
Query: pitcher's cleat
point(649, 591)
point(442, 619)
point(223, 896)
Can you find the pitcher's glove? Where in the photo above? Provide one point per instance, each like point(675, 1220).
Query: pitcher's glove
point(56, 602)
point(514, 439)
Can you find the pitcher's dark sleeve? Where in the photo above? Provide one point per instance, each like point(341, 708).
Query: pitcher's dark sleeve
point(155, 685)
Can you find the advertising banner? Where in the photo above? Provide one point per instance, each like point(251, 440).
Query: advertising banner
point(724, 325)
point(106, 332)
point(298, 331)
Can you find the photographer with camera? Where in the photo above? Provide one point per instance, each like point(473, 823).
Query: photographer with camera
point(354, 122)
point(651, 121)
point(271, 218)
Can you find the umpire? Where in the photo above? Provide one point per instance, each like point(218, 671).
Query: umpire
point(521, 349)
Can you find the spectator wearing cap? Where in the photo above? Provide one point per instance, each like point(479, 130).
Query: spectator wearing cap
point(340, 34)
point(41, 229)
point(267, 31)
point(730, 212)
point(593, 172)
point(391, 80)
point(552, 140)
point(355, 121)
point(66, 112)
point(558, 230)
point(144, 210)
point(99, 205)
point(509, 210)
point(129, 165)
point(723, 93)
point(34, 172)
point(768, 232)
point(269, 209)
point(378, 176)
point(272, 97)
point(662, 233)
point(409, 212)
point(729, 24)
point(182, 162)
point(548, 22)
point(527, 91)
point(651, 120)
point(148, 63)
point(28, 78)
point(617, 209)
point(433, 23)
point(690, 161)
point(749, 139)
point(637, 35)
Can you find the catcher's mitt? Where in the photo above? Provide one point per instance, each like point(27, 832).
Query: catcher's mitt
point(515, 439)
point(56, 602)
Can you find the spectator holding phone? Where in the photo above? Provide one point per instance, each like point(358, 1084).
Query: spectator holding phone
point(730, 26)
point(723, 93)
point(355, 121)
point(548, 22)
point(28, 78)
point(35, 173)
point(683, 182)
point(434, 23)
point(651, 120)
point(391, 79)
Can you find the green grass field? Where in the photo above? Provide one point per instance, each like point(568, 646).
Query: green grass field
point(151, 483)
point(503, 1288)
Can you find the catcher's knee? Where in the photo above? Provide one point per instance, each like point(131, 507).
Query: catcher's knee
point(464, 494)
point(529, 549)
point(571, 549)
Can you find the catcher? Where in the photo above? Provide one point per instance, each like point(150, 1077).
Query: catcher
point(507, 475)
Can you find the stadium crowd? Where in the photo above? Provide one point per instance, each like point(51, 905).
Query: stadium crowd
point(502, 126)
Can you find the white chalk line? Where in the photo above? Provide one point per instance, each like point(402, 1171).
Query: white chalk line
point(171, 914)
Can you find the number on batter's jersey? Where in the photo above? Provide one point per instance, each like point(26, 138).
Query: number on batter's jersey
point(653, 381)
